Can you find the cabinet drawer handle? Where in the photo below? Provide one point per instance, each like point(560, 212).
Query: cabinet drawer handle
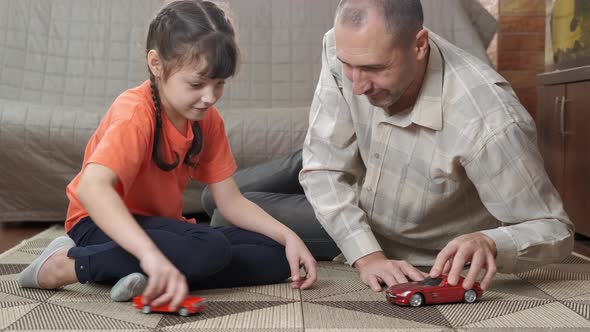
point(562, 117)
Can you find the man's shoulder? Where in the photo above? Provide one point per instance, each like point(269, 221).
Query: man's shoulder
point(468, 81)
point(330, 46)
point(330, 37)
point(485, 111)
point(475, 96)
point(460, 62)
point(335, 66)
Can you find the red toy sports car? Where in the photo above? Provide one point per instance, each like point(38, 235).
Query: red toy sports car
point(432, 291)
point(190, 305)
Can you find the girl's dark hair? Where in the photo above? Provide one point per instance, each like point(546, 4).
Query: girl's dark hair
point(185, 32)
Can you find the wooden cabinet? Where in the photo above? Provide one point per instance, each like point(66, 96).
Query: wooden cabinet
point(563, 123)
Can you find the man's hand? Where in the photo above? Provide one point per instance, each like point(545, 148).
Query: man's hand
point(476, 248)
point(375, 269)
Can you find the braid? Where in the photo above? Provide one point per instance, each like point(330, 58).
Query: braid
point(196, 145)
point(157, 152)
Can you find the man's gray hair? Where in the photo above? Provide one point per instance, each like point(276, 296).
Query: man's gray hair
point(403, 18)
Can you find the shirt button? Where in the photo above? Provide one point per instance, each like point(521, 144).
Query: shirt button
point(369, 189)
point(81, 267)
point(377, 156)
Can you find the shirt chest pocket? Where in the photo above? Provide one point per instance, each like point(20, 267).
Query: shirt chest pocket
point(437, 175)
point(444, 176)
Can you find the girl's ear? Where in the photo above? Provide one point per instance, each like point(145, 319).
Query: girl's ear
point(155, 63)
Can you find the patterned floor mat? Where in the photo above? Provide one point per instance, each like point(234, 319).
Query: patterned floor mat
point(555, 297)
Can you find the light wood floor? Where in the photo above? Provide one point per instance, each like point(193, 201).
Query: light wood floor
point(12, 233)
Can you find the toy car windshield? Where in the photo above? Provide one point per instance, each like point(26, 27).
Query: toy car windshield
point(428, 281)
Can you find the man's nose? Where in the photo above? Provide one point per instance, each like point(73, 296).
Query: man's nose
point(359, 82)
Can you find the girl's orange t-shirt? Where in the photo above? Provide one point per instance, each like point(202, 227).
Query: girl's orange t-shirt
point(124, 141)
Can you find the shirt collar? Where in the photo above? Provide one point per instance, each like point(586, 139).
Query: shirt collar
point(427, 111)
point(175, 137)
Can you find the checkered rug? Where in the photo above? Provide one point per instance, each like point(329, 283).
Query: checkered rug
point(553, 297)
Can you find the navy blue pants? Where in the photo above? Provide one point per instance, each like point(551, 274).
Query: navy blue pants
point(209, 257)
point(274, 186)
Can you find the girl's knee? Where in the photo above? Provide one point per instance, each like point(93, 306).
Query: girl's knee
point(210, 253)
point(218, 247)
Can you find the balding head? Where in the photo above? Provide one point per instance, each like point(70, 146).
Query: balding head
point(403, 18)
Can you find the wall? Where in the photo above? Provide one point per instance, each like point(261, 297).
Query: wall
point(521, 47)
point(492, 7)
point(517, 50)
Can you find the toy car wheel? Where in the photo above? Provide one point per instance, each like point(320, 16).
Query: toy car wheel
point(183, 312)
point(416, 300)
point(470, 296)
point(146, 309)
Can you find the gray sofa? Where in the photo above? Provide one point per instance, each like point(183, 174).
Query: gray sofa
point(62, 62)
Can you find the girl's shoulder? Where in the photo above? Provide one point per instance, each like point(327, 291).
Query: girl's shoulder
point(134, 105)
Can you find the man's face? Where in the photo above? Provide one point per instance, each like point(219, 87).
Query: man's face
point(374, 63)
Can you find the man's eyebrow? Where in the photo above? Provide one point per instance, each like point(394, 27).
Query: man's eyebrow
point(344, 62)
point(370, 66)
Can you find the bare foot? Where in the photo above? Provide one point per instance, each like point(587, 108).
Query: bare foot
point(58, 270)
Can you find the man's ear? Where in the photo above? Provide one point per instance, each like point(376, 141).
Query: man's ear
point(155, 63)
point(422, 44)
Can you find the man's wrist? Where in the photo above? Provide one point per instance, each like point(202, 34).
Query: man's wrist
point(492, 245)
point(363, 261)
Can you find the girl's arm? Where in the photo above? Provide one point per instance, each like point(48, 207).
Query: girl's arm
point(244, 214)
point(96, 191)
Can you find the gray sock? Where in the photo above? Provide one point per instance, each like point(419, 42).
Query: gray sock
point(128, 287)
point(28, 277)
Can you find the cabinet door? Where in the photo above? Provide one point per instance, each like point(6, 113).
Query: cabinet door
point(550, 140)
point(576, 116)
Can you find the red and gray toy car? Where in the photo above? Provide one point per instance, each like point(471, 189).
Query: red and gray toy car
point(190, 305)
point(432, 291)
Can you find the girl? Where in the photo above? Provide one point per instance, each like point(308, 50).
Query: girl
point(125, 205)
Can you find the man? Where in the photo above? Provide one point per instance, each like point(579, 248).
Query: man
point(420, 155)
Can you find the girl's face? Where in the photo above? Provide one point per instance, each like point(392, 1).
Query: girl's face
point(186, 95)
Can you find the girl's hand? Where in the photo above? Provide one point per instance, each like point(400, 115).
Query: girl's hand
point(165, 283)
point(297, 255)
